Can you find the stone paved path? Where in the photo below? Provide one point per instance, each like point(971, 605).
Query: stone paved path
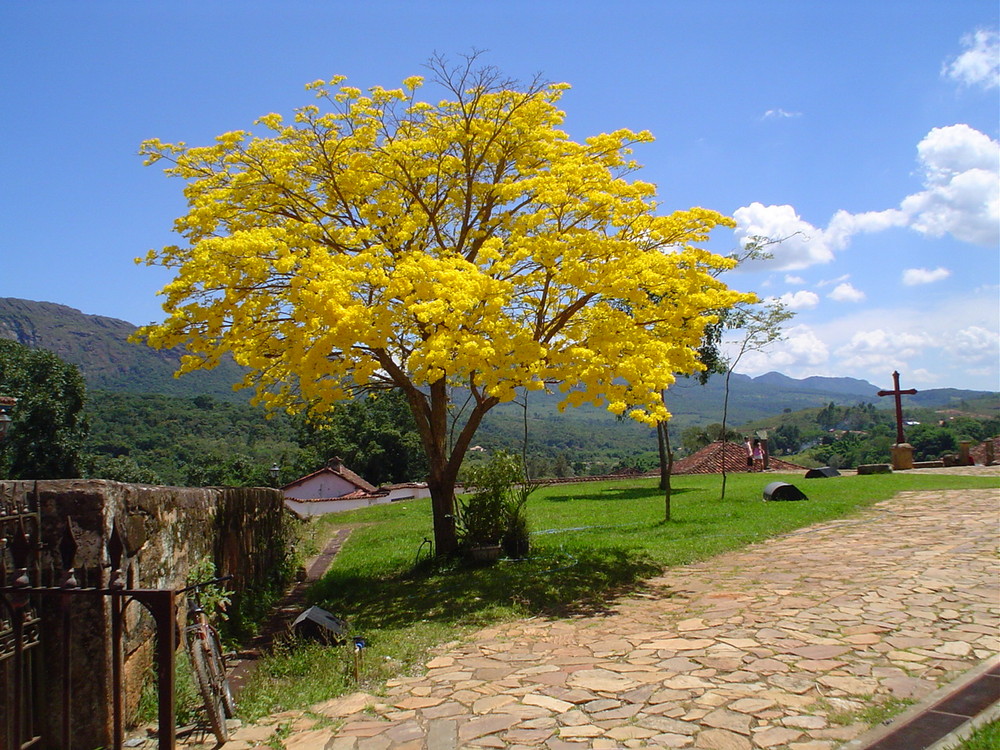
point(780, 645)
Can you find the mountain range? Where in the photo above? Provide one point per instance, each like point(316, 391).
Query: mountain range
point(99, 346)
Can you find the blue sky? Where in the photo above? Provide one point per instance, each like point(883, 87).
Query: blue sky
point(867, 132)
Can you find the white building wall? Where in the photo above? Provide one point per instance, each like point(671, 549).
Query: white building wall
point(408, 493)
point(322, 507)
point(323, 485)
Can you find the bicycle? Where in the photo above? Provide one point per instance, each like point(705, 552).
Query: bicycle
point(208, 663)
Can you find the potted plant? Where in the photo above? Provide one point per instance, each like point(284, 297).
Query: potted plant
point(493, 516)
point(480, 524)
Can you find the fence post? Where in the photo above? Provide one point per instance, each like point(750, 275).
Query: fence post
point(67, 552)
point(20, 548)
point(116, 585)
point(161, 604)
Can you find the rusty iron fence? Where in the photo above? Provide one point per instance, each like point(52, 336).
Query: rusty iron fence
point(41, 629)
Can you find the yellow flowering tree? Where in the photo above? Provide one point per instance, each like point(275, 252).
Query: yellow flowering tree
point(381, 241)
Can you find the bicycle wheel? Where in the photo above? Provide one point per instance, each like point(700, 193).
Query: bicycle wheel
point(217, 666)
point(198, 650)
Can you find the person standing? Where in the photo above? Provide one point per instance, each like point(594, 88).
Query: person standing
point(758, 456)
point(749, 450)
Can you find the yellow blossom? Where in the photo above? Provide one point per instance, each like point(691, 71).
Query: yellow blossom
point(389, 242)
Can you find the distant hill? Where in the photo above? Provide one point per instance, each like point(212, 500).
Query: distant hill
point(99, 347)
point(819, 385)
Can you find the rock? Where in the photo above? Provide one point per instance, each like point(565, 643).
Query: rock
point(775, 736)
point(491, 702)
point(600, 680)
point(954, 648)
point(751, 705)
point(315, 739)
point(720, 739)
point(723, 719)
point(629, 732)
point(484, 725)
point(850, 685)
point(804, 722)
point(874, 469)
point(665, 724)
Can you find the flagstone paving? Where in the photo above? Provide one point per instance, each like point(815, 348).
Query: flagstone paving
point(780, 645)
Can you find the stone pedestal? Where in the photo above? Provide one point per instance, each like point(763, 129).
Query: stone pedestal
point(964, 459)
point(902, 456)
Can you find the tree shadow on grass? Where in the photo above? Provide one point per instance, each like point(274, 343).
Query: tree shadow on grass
point(556, 584)
point(615, 493)
point(639, 493)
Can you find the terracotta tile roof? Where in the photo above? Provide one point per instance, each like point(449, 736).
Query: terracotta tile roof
point(356, 479)
point(709, 460)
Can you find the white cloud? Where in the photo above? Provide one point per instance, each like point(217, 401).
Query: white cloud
point(803, 345)
point(801, 300)
point(962, 180)
point(953, 341)
point(879, 349)
point(961, 197)
point(838, 280)
point(916, 276)
point(804, 245)
point(974, 344)
point(790, 279)
point(979, 64)
point(921, 375)
point(845, 225)
point(846, 292)
point(986, 372)
point(797, 355)
point(780, 114)
point(950, 151)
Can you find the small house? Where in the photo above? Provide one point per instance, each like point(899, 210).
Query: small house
point(332, 489)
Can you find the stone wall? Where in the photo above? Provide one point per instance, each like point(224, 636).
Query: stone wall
point(166, 531)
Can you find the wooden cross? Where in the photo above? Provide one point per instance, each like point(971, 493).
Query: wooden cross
point(899, 404)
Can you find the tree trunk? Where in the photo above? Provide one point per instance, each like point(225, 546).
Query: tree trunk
point(666, 465)
point(442, 474)
point(662, 447)
point(443, 507)
point(430, 411)
point(725, 413)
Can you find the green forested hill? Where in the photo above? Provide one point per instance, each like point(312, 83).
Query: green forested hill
point(200, 440)
point(99, 346)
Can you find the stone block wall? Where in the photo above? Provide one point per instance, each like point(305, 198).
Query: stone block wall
point(166, 531)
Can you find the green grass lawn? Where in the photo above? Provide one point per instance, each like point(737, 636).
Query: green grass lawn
point(985, 737)
point(590, 542)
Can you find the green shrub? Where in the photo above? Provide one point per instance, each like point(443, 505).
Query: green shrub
point(496, 511)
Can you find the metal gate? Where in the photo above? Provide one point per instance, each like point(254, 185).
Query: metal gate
point(39, 605)
point(20, 671)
